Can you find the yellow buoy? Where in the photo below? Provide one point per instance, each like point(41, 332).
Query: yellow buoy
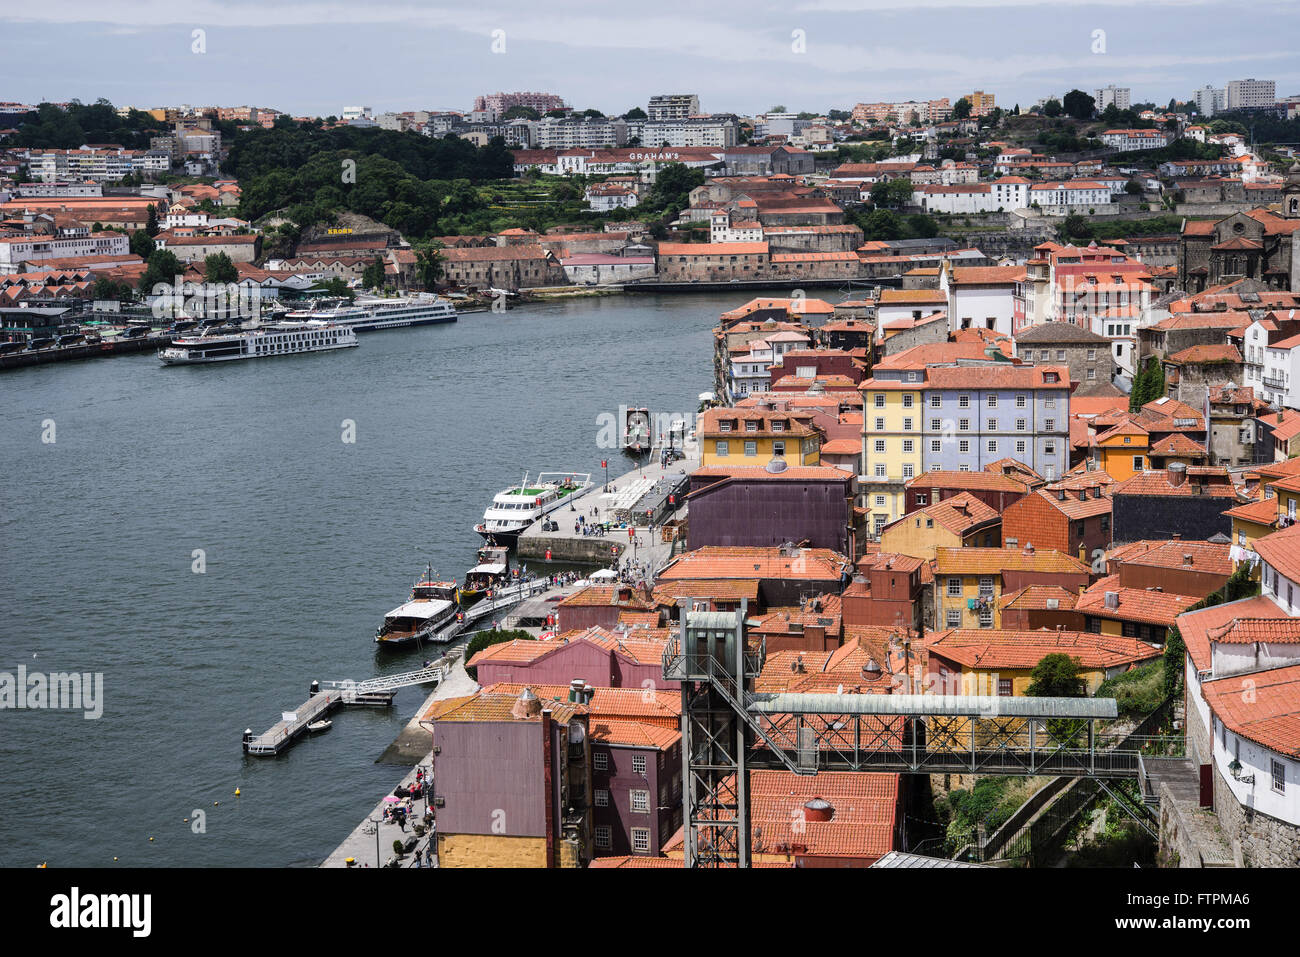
point(215, 803)
point(115, 858)
point(151, 838)
point(236, 792)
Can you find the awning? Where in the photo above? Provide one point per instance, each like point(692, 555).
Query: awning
point(495, 569)
point(419, 609)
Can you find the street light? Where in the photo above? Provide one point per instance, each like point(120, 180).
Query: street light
point(378, 863)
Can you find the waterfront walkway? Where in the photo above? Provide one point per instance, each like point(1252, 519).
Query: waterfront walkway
point(371, 842)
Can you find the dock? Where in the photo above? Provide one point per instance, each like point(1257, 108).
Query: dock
point(649, 495)
point(109, 347)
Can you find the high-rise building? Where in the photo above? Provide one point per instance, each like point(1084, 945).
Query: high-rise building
point(1251, 94)
point(672, 106)
point(981, 103)
point(1117, 96)
point(498, 103)
point(1209, 100)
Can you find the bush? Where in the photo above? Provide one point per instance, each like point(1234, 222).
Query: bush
point(1138, 692)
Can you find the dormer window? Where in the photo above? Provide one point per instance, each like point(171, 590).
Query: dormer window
point(1051, 377)
point(778, 425)
point(751, 426)
point(724, 425)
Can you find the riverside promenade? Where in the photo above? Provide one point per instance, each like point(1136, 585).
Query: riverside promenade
point(657, 489)
point(371, 842)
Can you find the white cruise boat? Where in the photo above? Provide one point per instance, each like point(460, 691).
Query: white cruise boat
point(367, 314)
point(280, 339)
point(514, 509)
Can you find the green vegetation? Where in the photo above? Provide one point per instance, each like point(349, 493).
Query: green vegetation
point(1056, 676)
point(990, 802)
point(486, 639)
point(218, 267)
point(1079, 105)
point(1148, 384)
point(1137, 693)
point(891, 193)
point(50, 127)
point(162, 266)
point(1080, 229)
point(885, 224)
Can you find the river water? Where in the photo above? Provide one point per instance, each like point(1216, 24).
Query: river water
point(306, 540)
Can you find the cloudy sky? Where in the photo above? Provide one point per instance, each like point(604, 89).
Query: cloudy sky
point(317, 56)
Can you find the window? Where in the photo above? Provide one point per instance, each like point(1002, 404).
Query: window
point(880, 501)
point(935, 445)
point(921, 498)
point(954, 587)
point(991, 425)
point(880, 471)
point(601, 797)
point(908, 471)
point(880, 400)
point(907, 401)
point(1060, 355)
point(599, 761)
point(880, 424)
point(751, 425)
point(603, 835)
point(1279, 777)
point(935, 425)
point(1020, 447)
point(993, 401)
point(1020, 425)
point(638, 764)
point(778, 449)
point(908, 445)
point(964, 401)
point(1049, 448)
point(953, 618)
point(724, 425)
point(640, 801)
point(1004, 687)
point(986, 616)
point(907, 425)
point(963, 425)
point(1137, 463)
point(722, 447)
point(879, 445)
point(963, 446)
point(641, 839)
point(751, 448)
point(936, 402)
point(993, 446)
point(1020, 402)
point(986, 586)
point(1092, 355)
point(1049, 425)
point(1092, 373)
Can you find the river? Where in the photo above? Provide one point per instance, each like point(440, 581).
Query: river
point(207, 540)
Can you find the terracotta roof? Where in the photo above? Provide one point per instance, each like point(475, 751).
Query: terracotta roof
point(1262, 512)
point(637, 703)
point(1192, 355)
point(1073, 507)
point(986, 275)
point(1135, 604)
point(1036, 597)
point(987, 561)
point(957, 513)
point(1210, 557)
point(1178, 445)
point(1269, 716)
point(730, 562)
point(1195, 626)
point(724, 590)
point(983, 481)
point(985, 649)
point(1249, 631)
point(634, 861)
point(605, 595)
point(1281, 549)
point(634, 734)
point(1157, 483)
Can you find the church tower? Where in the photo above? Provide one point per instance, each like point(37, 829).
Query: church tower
point(1291, 193)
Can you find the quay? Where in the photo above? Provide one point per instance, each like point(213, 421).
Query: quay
point(97, 350)
point(651, 494)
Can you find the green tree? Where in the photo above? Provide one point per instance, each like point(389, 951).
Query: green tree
point(162, 266)
point(141, 244)
point(218, 267)
point(428, 264)
point(521, 113)
point(892, 193)
point(151, 224)
point(372, 277)
point(1052, 108)
point(636, 113)
point(335, 286)
point(961, 109)
point(1056, 676)
point(779, 108)
point(1079, 105)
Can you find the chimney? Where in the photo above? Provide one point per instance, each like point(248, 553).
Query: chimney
point(1177, 474)
point(527, 705)
point(1187, 559)
point(1176, 536)
point(818, 810)
point(575, 690)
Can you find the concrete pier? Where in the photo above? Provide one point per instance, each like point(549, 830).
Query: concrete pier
point(626, 499)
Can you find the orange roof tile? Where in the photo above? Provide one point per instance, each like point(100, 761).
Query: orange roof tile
point(1269, 716)
point(1134, 604)
point(986, 649)
point(994, 561)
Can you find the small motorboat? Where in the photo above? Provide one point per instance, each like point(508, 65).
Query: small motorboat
point(320, 727)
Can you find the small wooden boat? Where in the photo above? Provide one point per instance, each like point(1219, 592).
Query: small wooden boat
point(320, 727)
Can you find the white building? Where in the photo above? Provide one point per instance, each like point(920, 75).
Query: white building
point(672, 106)
point(17, 250)
point(957, 198)
point(1250, 94)
point(1273, 370)
point(1128, 140)
point(1116, 96)
point(980, 297)
point(1209, 100)
point(603, 197)
point(1078, 192)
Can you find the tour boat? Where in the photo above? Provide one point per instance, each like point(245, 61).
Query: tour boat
point(636, 430)
point(491, 572)
point(367, 314)
point(514, 509)
point(281, 339)
point(432, 606)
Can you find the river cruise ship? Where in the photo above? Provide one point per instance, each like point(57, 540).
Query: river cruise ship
point(281, 339)
point(366, 315)
point(514, 509)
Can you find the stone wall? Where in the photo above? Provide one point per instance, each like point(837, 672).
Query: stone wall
point(1257, 840)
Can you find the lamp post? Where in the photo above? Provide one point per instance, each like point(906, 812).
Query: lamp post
point(378, 862)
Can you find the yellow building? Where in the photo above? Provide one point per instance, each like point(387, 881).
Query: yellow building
point(956, 522)
point(891, 442)
point(969, 582)
point(756, 436)
point(1122, 452)
point(981, 662)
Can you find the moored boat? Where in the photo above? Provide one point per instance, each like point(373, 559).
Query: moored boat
point(432, 606)
point(491, 572)
point(514, 509)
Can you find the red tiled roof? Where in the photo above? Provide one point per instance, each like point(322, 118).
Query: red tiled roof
point(730, 562)
point(634, 734)
point(987, 649)
point(1269, 716)
point(994, 561)
point(1282, 550)
point(1135, 604)
point(1195, 626)
point(1036, 597)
